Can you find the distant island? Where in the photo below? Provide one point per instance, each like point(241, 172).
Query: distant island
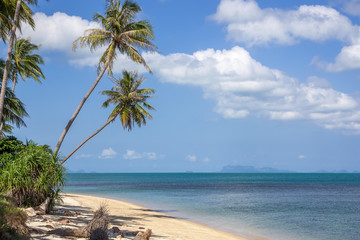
point(250, 169)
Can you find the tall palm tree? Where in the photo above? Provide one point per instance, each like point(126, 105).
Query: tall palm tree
point(16, 20)
point(13, 113)
point(119, 32)
point(14, 110)
point(130, 104)
point(25, 63)
point(7, 13)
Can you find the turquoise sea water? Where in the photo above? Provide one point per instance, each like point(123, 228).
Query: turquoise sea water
point(283, 206)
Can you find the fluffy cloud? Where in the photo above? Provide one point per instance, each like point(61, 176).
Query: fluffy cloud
point(131, 154)
point(108, 153)
point(191, 158)
point(83, 156)
point(347, 59)
point(247, 22)
point(59, 31)
point(241, 86)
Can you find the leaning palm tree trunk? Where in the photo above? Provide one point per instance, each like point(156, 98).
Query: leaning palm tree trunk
point(8, 58)
point(94, 134)
point(72, 119)
point(14, 79)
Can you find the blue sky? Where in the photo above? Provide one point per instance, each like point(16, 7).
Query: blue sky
point(260, 83)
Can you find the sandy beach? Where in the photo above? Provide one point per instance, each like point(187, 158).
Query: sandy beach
point(76, 210)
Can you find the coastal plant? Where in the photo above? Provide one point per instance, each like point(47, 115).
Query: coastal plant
point(7, 14)
point(12, 221)
point(130, 104)
point(99, 234)
point(121, 33)
point(25, 63)
point(13, 111)
point(31, 175)
point(10, 145)
point(15, 20)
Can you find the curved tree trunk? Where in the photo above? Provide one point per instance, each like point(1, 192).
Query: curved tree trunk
point(8, 59)
point(94, 134)
point(72, 119)
point(14, 79)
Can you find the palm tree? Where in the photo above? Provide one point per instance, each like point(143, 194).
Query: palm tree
point(14, 110)
point(24, 63)
point(130, 104)
point(16, 21)
point(119, 32)
point(7, 13)
point(13, 113)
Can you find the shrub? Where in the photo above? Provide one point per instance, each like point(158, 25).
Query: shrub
point(99, 234)
point(10, 145)
point(30, 174)
point(12, 221)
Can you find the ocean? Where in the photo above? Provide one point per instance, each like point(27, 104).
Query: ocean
point(285, 206)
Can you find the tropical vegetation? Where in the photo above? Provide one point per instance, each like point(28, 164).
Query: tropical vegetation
point(14, 21)
point(120, 32)
point(129, 101)
point(30, 173)
point(12, 221)
point(24, 62)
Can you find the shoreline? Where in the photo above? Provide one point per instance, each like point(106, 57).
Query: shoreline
point(132, 217)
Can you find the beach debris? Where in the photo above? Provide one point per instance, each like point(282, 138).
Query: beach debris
point(100, 220)
point(64, 221)
point(44, 208)
point(49, 226)
point(115, 230)
point(99, 234)
point(36, 231)
point(71, 214)
point(143, 236)
point(30, 212)
point(63, 231)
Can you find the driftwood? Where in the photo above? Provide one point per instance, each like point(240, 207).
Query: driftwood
point(44, 208)
point(100, 220)
point(143, 236)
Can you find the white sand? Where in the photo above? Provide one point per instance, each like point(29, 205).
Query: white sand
point(125, 216)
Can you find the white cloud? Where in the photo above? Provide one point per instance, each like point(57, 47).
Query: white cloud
point(347, 59)
point(247, 22)
point(301, 156)
point(191, 158)
point(241, 86)
point(131, 154)
point(206, 160)
point(108, 153)
point(59, 31)
point(83, 156)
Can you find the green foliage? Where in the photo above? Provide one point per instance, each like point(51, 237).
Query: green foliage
point(130, 101)
point(12, 221)
point(30, 174)
point(10, 145)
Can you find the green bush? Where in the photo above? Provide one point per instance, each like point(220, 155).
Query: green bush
point(30, 174)
point(12, 221)
point(10, 145)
